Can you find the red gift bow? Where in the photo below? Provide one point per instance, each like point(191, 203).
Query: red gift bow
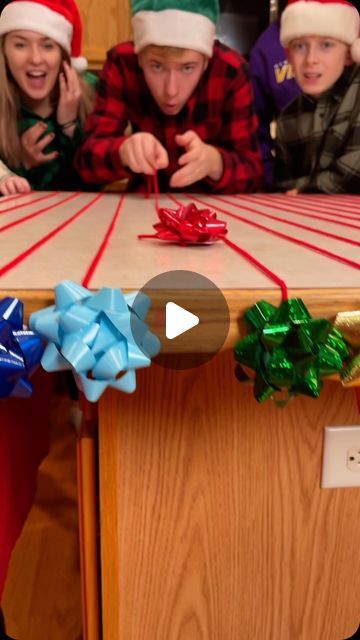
point(189, 225)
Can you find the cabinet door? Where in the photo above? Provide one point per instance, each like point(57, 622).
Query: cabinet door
point(105, 24)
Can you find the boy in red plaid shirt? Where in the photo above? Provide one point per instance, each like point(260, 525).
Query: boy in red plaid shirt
point(187, 99)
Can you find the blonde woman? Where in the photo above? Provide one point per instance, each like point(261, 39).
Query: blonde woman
point(43, 101)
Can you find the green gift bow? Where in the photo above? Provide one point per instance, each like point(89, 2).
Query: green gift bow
point(288, 349)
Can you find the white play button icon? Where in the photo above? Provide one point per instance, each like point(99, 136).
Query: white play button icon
point(189, 307)
point(178, 320)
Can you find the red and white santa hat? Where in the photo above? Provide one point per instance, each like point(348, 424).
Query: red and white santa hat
point(59, 20)
point(329, 18)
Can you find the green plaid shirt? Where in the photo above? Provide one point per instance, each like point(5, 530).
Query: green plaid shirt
point(59, 173)
point(318, 141)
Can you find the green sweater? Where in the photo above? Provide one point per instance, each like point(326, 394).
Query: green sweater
point(58, 173)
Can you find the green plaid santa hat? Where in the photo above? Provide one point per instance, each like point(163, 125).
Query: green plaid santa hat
point(187, 24)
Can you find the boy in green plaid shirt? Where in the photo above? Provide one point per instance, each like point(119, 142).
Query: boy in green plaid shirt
point(318, 134)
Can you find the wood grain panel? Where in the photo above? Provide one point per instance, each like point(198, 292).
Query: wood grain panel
point(213, 523)
point(105, 24)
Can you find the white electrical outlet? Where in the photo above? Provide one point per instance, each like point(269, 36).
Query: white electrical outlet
point(341, 457)
point(353, 459)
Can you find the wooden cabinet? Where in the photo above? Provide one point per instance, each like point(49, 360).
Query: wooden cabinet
point(105, 24)
point(213, 523)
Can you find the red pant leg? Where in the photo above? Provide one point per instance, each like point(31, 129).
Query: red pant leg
point(24, 438)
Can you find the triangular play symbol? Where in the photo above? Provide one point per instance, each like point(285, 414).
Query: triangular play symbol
point(178, 320)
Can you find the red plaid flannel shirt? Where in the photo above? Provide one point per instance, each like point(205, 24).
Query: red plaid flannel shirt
point(220, 111)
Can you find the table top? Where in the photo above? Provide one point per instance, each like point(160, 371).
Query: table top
point(47, 237)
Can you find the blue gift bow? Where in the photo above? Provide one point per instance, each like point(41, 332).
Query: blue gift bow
point(20, 351)
point(103, 333)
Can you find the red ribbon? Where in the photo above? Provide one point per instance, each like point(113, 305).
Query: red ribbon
point(188, 225)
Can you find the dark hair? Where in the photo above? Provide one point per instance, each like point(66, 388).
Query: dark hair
point(3, 4)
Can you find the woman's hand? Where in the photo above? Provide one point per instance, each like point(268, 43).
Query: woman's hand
point(14, 184)
point(33, 141)
point(69, 98)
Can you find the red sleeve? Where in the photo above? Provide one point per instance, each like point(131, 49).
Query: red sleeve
point(98, 158)
point(243, 168)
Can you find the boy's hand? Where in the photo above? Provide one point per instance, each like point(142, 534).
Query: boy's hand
point(14, 184)
point(292, 192)
point(143, 153)
point(69, 100)
point(201, 160)
point(32, 145)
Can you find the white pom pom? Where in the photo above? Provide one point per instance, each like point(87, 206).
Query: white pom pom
point(80, 64)
point(355, 50)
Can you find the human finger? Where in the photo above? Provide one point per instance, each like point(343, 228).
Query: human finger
point(184, 177)
point(72, 79)
point(189, 156)
point(131, 159)
point(32, 134)
point(144, 152)
point(4, 188)
point(186, 139)
point(10, 186)
point(43, 142)
point(161, 156)
point(62, 84)
point(22, 185)
point(48, 157)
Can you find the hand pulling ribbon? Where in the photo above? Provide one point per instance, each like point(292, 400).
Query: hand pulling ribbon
point(188, 225)
point(289, 350)
point(20, 351)
point(348, 322)
point(102, 337)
